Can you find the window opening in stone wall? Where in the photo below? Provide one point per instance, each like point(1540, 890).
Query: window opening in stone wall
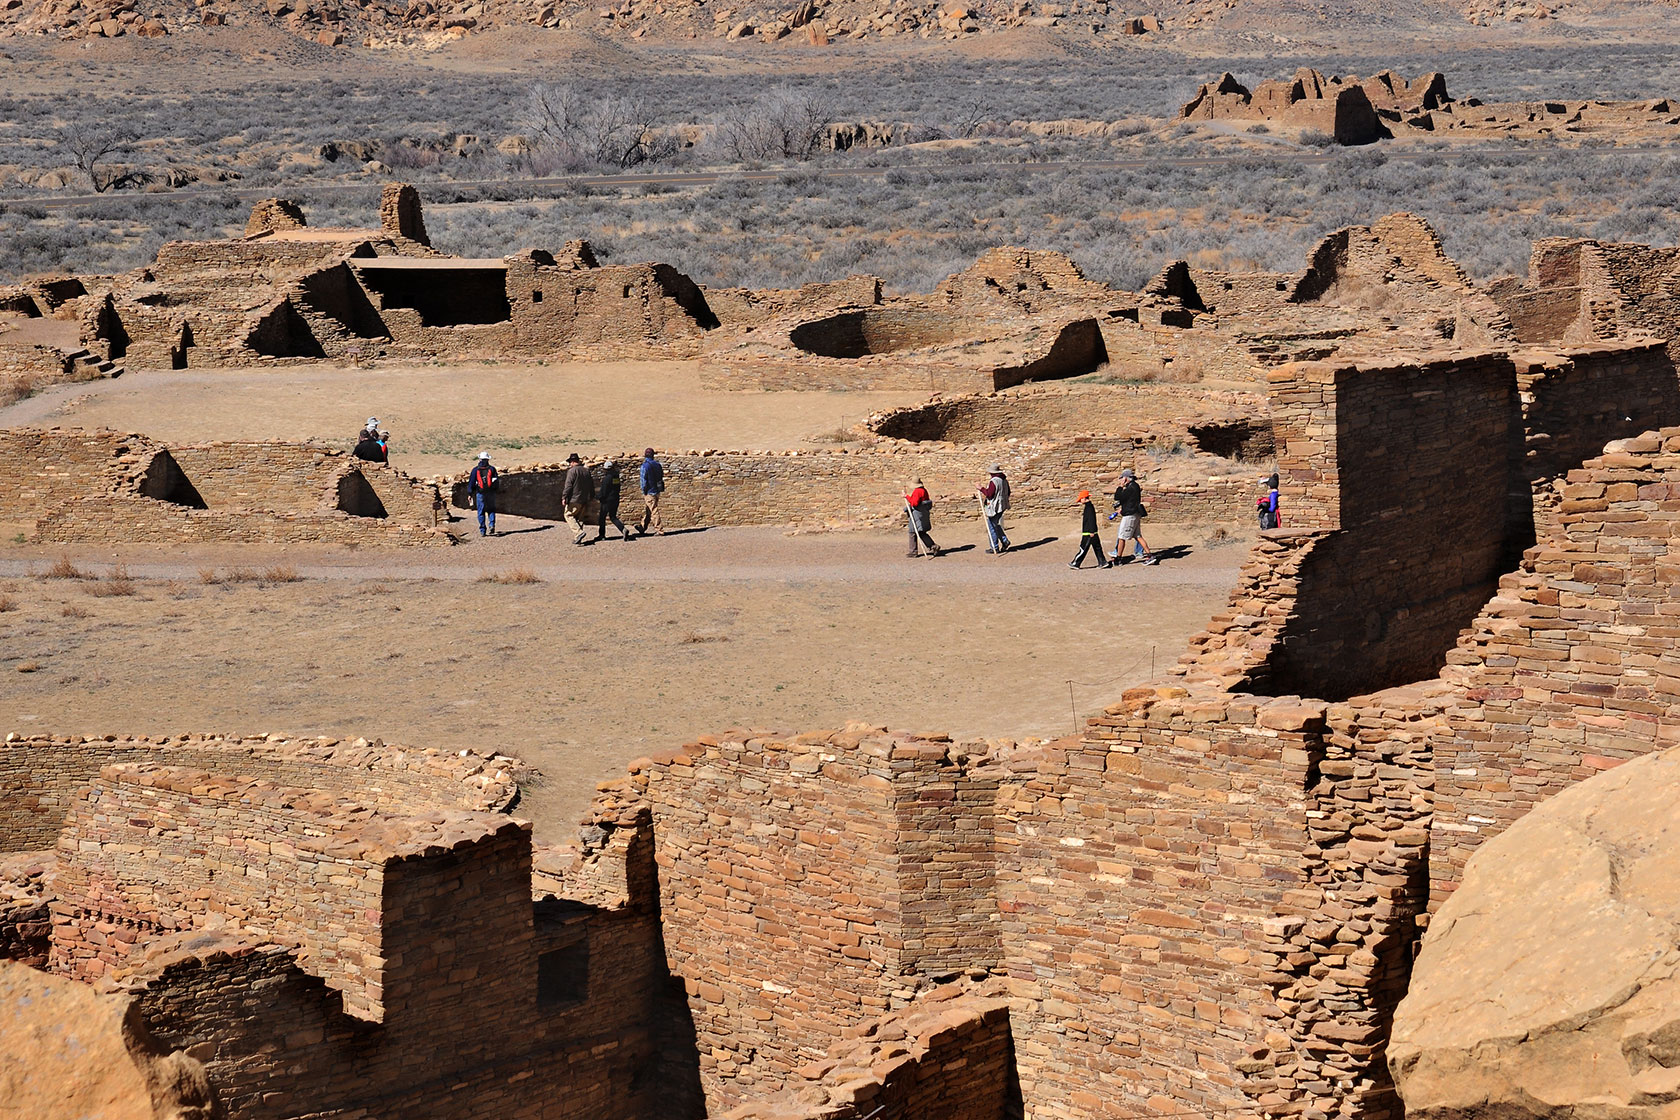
point(563, 975)
point(627, 290)
point(536, 297)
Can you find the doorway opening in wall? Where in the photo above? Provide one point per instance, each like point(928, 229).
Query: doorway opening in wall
point(357, 497)
point(563, 975)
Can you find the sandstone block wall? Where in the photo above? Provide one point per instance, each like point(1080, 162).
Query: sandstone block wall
point(106, 486)
point(946, 1057)
point(848, 488)
point(40, 775)
point(1571, 667)
point(805, 881)
point(1136, 870)
point(1388, 455)
point(145, 847)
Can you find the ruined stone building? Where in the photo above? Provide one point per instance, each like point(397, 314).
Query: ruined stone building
point(104, 486)
point(1207, 902)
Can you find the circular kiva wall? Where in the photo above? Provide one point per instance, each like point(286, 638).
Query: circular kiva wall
point(40, 776)
point(883, 330)
point(1144, 412)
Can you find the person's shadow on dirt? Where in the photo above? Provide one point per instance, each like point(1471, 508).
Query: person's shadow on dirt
point(1172, 552)
point(532, 529)
point(1033, 544)
point(959, 548)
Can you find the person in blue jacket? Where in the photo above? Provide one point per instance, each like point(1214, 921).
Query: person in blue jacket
point(653, 485)
point(481, 491)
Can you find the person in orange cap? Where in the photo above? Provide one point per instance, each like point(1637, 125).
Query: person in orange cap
point(1090, 537)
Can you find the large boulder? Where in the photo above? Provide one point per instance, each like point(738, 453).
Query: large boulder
point(1549, 983)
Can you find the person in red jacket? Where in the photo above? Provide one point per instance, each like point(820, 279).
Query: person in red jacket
point(920, 507)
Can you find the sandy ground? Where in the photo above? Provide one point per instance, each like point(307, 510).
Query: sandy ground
point(620, 649)
point(439, 417)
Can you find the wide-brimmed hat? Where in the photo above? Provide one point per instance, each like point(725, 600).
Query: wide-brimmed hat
point(373, 421)
point(573, 458)
point(995, 469)
point(1128, 473)
point(485, 455)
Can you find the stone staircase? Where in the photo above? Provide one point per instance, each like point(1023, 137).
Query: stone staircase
point(91, 367)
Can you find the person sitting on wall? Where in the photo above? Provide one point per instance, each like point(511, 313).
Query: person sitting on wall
point(370, 430)
point(576, 494)
point(1267, 505)
point(1090, 537)
point(370, 449)
point(653, 485)
point(1128, 507)
point(481, 492)
point(611, 486)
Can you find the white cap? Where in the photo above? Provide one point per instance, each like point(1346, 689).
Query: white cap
point(484, 454)
point(372, 420)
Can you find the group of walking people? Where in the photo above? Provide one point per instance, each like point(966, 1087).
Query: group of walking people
point(994, 502)
point(586, 500)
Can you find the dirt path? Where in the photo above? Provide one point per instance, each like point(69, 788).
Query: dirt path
point(619, 649)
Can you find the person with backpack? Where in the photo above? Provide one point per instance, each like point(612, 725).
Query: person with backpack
point(576, 494)
point(994, 500)
point(919, 505)
point(1267, 505)
point(1090, 537)
point(611, 486)
point(653, 485)
point(481, 492)
point(1128, 507)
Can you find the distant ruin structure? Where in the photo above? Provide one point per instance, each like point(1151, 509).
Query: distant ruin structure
point(109, 487)
point(399, 214)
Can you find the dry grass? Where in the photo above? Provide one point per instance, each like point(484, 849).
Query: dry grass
point(16, 389)
point(62, 568)
point(513, 575)
point(116, 582)
point(279, 573)
point(701, 639)
point(29, 667)
point(7, 603)
point(71, 610)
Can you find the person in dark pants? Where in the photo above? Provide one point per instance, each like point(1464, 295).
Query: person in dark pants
point(919, 504)
point(608, 493)
point(1090, 537)
point(481, 491)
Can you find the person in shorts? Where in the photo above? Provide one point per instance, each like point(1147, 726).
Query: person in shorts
point(1128, 507)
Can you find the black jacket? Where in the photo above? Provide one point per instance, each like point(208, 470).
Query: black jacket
point(611, 486)
point(1128, 498)
point(1089, 525)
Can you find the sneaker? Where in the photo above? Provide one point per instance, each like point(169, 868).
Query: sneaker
point(1150, 560)
point(1114, 557)
point(1074, 564)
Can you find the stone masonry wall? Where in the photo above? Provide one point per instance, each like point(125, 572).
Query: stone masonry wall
point(1379, 452)
point(1137, 870)
point(40, 775)
point(1571, 668)
point(158, 848)
point(847, 488)
point(806, 881)
point(948, 1056)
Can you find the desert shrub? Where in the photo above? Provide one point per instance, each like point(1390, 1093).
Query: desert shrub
point(513, 575)
point(62, 568)
point(785, 123)
point(116, 582)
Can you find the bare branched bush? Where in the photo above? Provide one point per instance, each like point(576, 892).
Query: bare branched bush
point(573, 131)
point(116, 582)
point(62, 568)
point(92, 144)
point(783, 124)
